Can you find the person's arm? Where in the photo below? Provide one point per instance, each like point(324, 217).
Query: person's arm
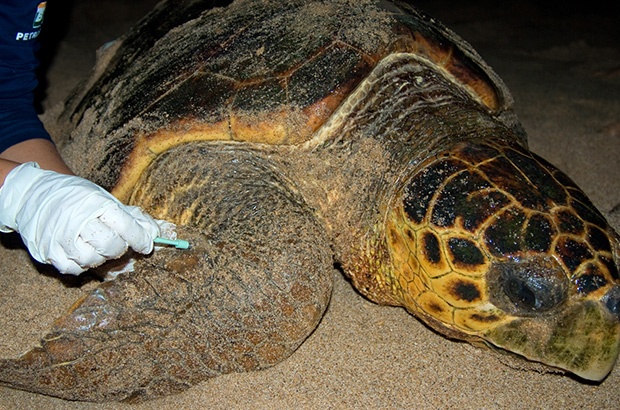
point(38, 150)
point(68, 221)
point(63, 219)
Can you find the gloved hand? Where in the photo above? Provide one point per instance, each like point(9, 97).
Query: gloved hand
point(69, 221)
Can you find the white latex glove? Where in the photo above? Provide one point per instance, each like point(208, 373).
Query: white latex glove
point(69, 221)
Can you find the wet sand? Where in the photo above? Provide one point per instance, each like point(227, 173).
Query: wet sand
point(563, 68)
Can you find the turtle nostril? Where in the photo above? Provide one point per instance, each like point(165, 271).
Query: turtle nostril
point(612, 301)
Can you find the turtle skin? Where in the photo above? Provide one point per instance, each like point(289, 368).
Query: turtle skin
point(285, 136)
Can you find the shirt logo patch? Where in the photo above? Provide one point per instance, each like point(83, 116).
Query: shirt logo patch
point(38, 18)
point(36, 25)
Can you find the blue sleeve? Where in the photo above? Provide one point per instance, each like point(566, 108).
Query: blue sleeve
point(20, 25)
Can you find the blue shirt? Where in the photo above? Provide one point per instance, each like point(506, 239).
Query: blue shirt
point(20, 25)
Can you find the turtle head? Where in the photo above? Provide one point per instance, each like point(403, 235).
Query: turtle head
point(488, 242)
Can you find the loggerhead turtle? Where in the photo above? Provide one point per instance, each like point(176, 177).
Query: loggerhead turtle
point(281, 136)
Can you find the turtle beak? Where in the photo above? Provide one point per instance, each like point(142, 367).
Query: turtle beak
point(583, 339)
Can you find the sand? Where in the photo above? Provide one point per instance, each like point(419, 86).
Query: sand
point(563, 68)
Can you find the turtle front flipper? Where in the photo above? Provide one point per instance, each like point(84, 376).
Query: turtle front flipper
point(253, 286)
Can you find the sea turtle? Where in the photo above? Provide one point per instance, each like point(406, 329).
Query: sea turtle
point(285, 136)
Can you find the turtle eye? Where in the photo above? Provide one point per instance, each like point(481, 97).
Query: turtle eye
point(520, 293)
point(530, 291)
point(527, 287)
point(612, 301)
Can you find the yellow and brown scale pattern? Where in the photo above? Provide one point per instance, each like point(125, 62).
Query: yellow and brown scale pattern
point(480, 204)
